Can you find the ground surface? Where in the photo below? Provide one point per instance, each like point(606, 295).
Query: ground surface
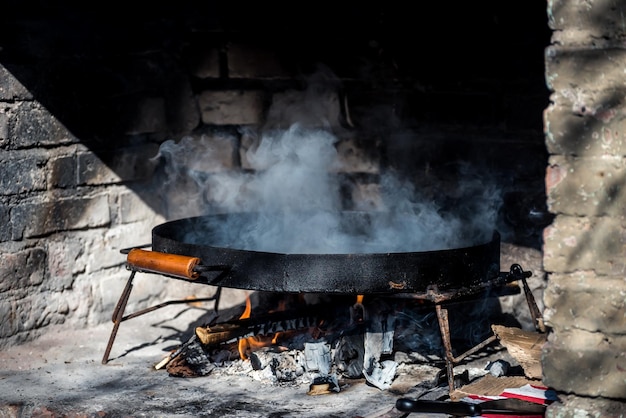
point(61, 374)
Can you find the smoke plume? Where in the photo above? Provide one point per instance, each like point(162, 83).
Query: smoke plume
point(294, 200)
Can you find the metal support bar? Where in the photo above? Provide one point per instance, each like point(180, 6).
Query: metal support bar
point(474, 349)
point(534, 309)
point(444, 327)
point(118, 313)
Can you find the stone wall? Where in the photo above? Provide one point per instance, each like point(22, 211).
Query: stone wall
point(584, 248)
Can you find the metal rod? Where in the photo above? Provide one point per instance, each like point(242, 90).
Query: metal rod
point(534, 309)
point(121, 303)
point(217, 296)
point(118, 313)
point(474, 349)
point(167, 303)
point(127, 250)
point(444, 327)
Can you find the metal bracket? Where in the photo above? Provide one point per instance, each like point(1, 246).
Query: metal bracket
point(118, 313)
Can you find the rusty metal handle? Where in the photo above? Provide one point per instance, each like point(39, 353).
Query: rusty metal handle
point(164, 263)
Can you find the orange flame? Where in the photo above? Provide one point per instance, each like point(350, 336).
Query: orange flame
point(247, 345)
point(359, 298)
point(248, 310)
point(250, 344)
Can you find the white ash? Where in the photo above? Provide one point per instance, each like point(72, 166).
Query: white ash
point(498, 368)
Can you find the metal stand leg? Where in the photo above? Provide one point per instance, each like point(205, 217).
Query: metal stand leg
point(444, 327)
point(118, 314)
point(534, 309)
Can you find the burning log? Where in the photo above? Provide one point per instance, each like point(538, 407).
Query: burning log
point(268, 325)
point(240, 338)
point(192, 361)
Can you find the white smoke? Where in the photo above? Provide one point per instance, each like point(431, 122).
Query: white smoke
point(294, 198)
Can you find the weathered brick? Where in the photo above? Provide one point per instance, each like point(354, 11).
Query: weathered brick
point(103, 250)
point(8, 326)
point(37, 219)
point(148, 116)
point(108, 290)
point(253, 61)
point(28, 313)
point(5, 225)
point(309, 109)
point(62, 172)
point(182, 109)
point(249, 143)
point(585, 363)
point(590, 186)
point(131, 163)
point(199, 154)
point(93, 171)
point(22, 269)
point(594, 20)
point(11, 88)
point(66, 258)
point(108, 287)
point(586, 128)
point(586, 301)
point(573, 243)
point(32, 125)
point(366, 196)
point(22, 173)
point(353, 158)
point(208, 63)
point(570, 406)
point(569, 70)
point(199, 176)
point(4, 130)
point(231, 107)
point(134, 209)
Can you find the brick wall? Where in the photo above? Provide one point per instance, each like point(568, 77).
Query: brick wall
point(585, 246)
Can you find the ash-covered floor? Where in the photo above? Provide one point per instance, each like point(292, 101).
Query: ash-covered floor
point(60, 374)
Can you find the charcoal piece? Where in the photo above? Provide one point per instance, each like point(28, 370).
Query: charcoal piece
point(288, 366)
point(349, 356)
point(192, 361)
point(498, 368)
point(262, 358)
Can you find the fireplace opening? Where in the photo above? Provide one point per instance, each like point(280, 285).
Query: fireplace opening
point(112, 124)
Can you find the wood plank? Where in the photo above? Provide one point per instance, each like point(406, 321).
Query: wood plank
point(523, 346)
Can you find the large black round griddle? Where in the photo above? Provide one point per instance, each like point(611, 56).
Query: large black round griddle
point(353, 273)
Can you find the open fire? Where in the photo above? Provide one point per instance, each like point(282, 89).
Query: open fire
point(363, 293)
point(330, 338)
point(338, 336)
